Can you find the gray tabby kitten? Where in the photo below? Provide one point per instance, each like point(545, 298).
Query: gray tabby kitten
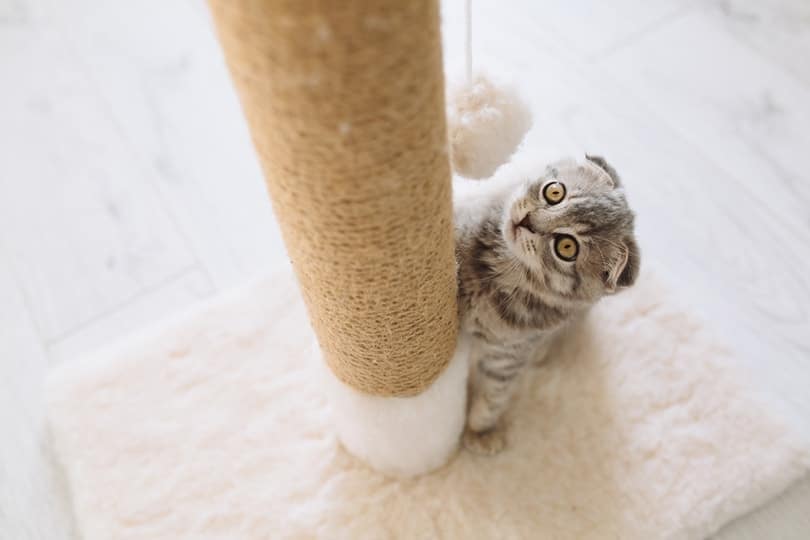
point(528, 266)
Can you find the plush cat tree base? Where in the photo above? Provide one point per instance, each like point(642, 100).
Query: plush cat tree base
point(217, 426)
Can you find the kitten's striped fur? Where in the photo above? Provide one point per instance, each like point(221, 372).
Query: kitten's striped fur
point(515, 291)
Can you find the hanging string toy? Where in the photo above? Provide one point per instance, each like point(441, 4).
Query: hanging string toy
point(486, 120)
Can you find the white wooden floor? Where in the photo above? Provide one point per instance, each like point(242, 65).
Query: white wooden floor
point(128, 187)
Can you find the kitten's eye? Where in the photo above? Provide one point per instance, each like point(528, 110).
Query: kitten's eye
point(554, 193)
point(566, 247)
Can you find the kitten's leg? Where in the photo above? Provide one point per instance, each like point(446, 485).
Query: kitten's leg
point(495, 379)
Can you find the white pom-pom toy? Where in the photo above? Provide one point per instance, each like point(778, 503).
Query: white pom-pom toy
point(485, 123)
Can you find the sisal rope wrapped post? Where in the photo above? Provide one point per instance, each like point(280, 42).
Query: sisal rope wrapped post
point(345, 104)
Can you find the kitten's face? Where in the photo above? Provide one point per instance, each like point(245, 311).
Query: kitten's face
point(574, 229)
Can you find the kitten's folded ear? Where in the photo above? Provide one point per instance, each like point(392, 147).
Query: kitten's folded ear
point(605, 166)
point(625, 271)
point(631, 268)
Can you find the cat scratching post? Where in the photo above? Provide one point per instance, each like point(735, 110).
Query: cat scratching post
point(345, 103)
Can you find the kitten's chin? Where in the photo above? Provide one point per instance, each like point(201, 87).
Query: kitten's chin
point(512, 241)
point(509, 232)
point(512, 234)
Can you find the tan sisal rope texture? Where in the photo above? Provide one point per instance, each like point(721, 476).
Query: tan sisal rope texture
point(345, 103)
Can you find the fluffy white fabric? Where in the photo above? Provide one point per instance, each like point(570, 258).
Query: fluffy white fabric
point(381, 431)
point(486, 122)
point(216, 426)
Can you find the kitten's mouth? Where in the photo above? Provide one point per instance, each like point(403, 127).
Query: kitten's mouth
point(513, 232)
point(525, 223)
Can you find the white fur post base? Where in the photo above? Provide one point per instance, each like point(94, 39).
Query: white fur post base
point(390, 433)
point(218, 425)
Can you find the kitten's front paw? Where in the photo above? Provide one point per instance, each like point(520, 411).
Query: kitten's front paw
point(486, 443)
